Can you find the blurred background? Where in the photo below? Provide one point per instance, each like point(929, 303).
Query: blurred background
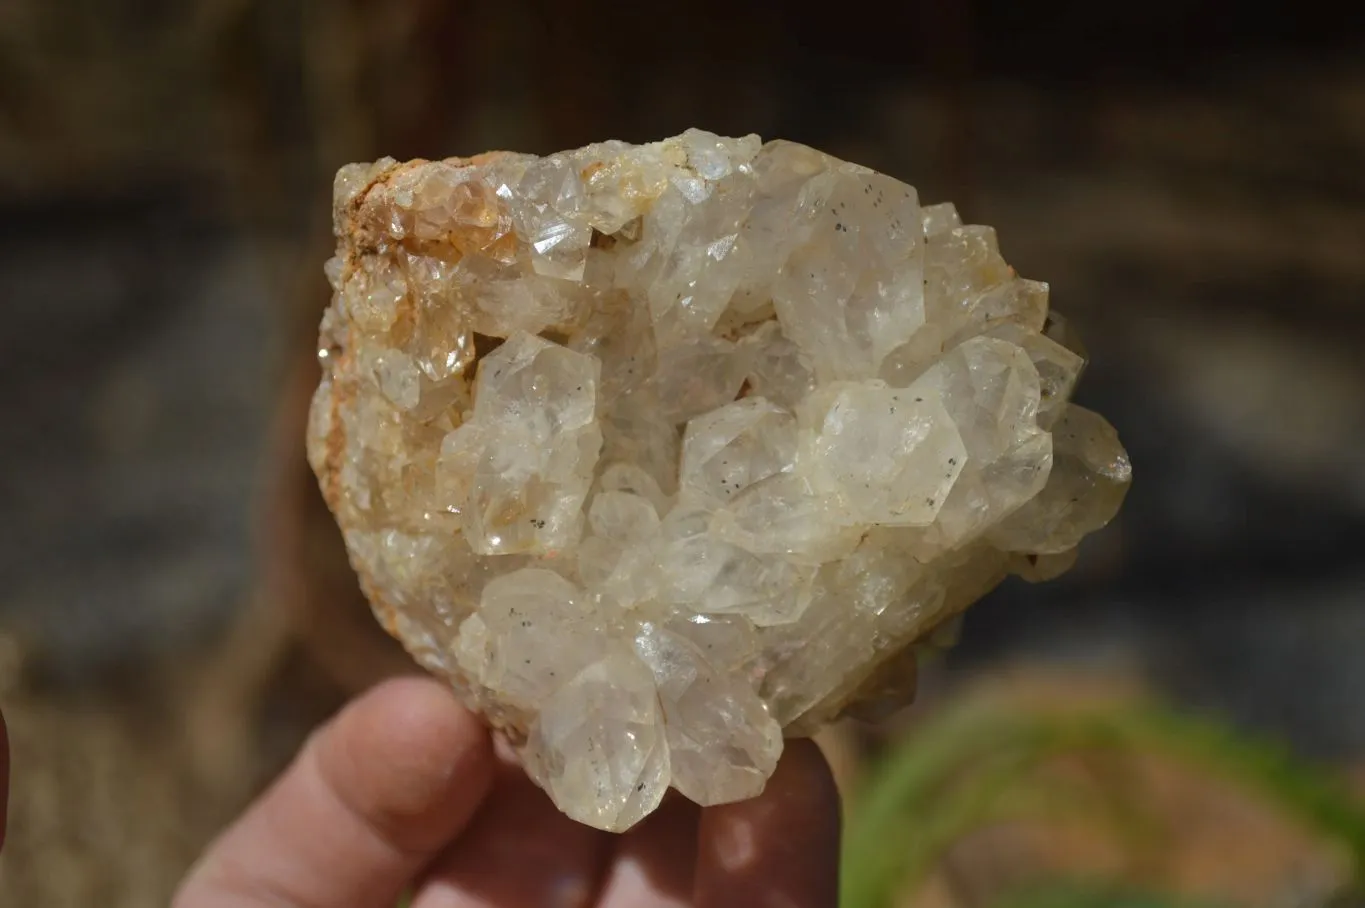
point(176, 611)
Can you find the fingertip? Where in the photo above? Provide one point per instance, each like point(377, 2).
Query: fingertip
point(519, 850)
point(655, 862)
point(804, 779)
point(411, 760)
point(375, 794)
point(780, 848)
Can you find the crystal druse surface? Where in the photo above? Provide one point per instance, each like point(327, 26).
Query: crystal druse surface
point(663, 453)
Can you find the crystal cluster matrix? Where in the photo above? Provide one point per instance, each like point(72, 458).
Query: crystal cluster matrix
point(663, 453)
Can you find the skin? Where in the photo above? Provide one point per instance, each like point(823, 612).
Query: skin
point(405, 791)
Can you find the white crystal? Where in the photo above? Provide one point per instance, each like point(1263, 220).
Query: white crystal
point(597, 745)
point(853, 289)
point(696, 377)
point(533, 631)
point(734, 446)
point(660, 453)
point(722, 742)
point(884, 455)
point(778, 369)
point(991, 389)
point(785, 515)
point(1089, 478)
point(687, 565)
point(529, 450)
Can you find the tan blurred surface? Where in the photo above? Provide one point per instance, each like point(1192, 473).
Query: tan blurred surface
point(1158, 823)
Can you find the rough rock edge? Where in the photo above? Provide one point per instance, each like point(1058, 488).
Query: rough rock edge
point(357, 236)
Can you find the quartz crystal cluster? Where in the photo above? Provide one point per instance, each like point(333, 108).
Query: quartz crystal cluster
point(662, 453)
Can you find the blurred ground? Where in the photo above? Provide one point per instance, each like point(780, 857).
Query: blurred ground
point(1142, 817)
point(163, 179)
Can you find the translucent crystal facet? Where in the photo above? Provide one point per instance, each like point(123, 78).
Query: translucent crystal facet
point(661, 453)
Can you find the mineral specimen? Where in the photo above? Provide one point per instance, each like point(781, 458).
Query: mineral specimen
point(660, 453)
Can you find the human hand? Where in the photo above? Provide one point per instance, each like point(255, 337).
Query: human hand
point(403, 791)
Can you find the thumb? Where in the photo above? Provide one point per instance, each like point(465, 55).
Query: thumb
point(370, 800)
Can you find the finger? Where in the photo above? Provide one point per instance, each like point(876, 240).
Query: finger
point(655, 862)
point(779, 849)
point(373, 796)
point(519, 852)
